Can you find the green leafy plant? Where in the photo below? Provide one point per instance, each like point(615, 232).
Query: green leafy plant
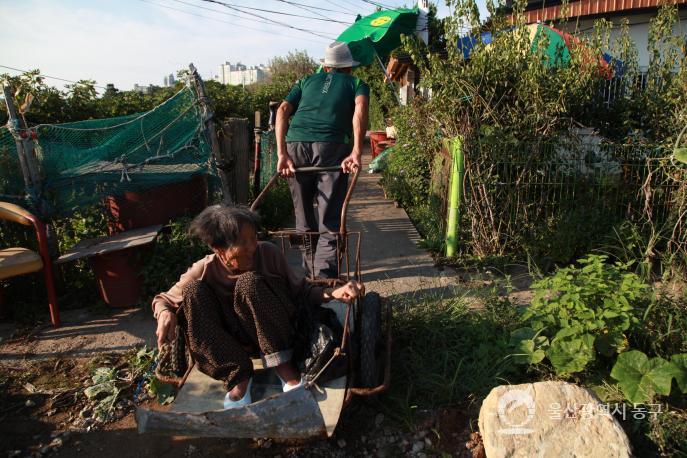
point(163, 392)
point(141, 366)
point(641, 378)
point(104, 390)
point(109, 384)
point(580, 312)
point(528, 345)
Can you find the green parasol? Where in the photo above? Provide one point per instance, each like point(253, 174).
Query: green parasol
point(382, 30)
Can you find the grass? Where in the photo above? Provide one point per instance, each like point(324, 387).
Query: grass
point(663, 329)
point(446, 354)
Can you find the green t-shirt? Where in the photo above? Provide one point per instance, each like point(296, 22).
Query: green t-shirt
point(324, 105)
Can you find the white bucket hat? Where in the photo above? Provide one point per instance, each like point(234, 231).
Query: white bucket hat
point(338, 55)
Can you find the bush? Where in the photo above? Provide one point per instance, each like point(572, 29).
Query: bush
point(173, 253)
point(580, 313)
point(276, 211)
point(514, 110)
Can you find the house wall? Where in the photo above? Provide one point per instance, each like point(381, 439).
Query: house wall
point(639, 30)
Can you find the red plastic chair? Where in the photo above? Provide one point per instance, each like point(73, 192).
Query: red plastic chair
point(18, 261)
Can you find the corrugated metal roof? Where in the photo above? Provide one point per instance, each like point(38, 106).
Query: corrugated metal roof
point(592, 8)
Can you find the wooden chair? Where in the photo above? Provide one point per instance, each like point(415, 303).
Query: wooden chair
point(18, 261)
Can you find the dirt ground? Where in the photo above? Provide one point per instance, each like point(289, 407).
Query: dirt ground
point(43, 412)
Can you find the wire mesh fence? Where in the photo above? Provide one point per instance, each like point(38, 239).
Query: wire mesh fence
point(624, 86)
point(517, 193)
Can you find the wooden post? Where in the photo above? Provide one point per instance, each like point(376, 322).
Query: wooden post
point(13, 118)
point(211, 133)
point(235, 149)
point(242, 153)
point(257, 132)
point(30, 170)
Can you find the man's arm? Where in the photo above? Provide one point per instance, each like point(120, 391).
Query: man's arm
point(284, 163)
point(360, 116)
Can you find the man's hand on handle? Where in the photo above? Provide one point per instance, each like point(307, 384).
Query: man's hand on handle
point(285, 165)
point(352, 162)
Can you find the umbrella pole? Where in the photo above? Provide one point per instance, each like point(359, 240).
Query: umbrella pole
point(388, 79)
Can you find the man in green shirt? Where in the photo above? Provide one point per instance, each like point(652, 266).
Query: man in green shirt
point(329, 110)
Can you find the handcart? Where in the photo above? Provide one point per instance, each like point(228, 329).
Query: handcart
point(309, 411)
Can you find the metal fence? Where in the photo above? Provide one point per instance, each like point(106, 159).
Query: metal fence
point(511, 191)
point(620, 87)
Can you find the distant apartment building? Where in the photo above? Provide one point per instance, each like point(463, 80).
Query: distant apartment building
point(239, 74)
point(143, 89)
point(169, 80)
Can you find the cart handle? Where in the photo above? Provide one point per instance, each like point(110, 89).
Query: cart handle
point(344, 209)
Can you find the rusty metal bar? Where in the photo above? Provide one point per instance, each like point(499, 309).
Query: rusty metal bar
point(337, 352)
point(358, 274)
point(344, 209)
point(258, 200)
point(346, 331)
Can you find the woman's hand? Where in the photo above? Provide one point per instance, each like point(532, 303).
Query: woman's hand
point(166, 328)
point(348, 292)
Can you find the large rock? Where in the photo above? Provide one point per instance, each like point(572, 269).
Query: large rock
point(549, 419)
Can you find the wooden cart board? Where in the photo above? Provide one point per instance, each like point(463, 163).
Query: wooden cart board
point(109, 244)
point(198, 410)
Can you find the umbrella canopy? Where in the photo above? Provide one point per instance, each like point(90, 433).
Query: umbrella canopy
point(379, 33)
point(560, 47)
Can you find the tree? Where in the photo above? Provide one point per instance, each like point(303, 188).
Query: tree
point(288, 69)
point(47, 105)
point(82, 100)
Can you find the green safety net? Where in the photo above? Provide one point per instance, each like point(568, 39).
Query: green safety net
point(268, 156)
point(84, 162)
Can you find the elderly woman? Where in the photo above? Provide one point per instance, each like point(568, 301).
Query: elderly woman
point(242, 297)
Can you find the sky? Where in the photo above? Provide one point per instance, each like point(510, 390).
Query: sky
point(127, 42)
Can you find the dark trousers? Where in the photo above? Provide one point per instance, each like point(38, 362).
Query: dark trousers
point(222, 337)
point(328, 189)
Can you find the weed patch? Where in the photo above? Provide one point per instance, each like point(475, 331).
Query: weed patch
point(445, 354)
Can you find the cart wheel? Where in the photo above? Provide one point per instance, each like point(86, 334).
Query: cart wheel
point(370, 334)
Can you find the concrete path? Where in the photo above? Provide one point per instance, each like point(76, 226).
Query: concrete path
point(391, 264)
